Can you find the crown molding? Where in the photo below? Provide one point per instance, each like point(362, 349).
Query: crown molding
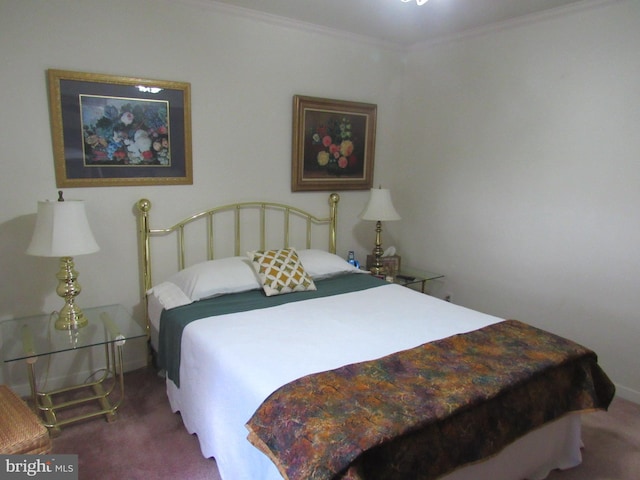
point(284, 22)
point(276, 20)
point(529, 19)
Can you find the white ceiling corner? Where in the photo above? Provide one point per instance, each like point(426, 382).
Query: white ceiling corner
point(397, 23)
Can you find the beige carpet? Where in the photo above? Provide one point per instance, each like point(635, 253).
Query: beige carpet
point(611, 445)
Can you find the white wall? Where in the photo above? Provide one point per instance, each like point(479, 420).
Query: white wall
point(524, 160)
point(243, 75)
point(512, 155)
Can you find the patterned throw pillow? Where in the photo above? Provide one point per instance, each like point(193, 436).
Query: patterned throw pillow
point(280, 271)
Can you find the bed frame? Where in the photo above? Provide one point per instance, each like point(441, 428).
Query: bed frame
point(249, 218)
point(241, 217)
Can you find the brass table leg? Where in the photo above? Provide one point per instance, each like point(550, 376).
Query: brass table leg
point(45, 404)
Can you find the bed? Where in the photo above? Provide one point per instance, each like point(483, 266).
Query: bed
point(405, 385)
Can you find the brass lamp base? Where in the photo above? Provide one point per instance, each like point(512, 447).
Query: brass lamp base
point(378, 267)
point(70, 316)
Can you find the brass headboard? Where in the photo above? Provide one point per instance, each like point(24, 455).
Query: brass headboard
point(145, 232)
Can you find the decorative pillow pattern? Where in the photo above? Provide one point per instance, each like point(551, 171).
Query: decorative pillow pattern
point(280, 271)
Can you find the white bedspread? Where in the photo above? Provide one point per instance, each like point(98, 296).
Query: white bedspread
point(231, 363)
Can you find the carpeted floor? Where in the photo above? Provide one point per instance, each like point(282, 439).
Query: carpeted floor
point(146, 442)
point(611, 445)
point(149, 442)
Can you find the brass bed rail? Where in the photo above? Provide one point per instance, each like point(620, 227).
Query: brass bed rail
point(145, 232)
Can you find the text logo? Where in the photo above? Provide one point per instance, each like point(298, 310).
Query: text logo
point(50, 467)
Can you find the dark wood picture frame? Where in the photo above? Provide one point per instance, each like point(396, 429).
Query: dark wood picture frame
point(117, 131)
point(333, 144)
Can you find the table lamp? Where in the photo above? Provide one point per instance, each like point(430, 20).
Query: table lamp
point(62, 230)
point(379, 209)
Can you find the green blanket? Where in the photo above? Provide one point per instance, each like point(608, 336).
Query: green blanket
point(173, 321)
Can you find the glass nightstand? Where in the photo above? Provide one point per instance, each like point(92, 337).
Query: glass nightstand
point(408, 277)
point(30, 338)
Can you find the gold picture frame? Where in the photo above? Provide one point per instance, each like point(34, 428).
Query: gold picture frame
point(119, 131)
point(333, 144)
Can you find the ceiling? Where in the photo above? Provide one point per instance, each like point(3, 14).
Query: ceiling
point(398, 22)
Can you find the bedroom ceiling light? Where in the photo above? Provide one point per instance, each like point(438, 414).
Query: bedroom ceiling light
point(379, 209)
point(419, 2)
point(62, 230)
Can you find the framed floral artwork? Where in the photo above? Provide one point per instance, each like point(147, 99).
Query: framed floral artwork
point(114, 131)
point(333, 144)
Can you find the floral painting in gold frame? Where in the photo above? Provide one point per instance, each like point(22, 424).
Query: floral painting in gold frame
point(333, 144)
point(113, 131)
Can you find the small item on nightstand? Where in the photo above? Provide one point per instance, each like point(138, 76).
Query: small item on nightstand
point(351, 258)
point(390, 263)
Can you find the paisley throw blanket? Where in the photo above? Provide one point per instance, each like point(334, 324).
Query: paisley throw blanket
point(423, 412)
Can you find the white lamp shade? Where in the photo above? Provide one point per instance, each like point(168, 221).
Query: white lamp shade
point(62, 230)
point(380, 206)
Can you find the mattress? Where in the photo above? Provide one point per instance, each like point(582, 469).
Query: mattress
point(231, 363)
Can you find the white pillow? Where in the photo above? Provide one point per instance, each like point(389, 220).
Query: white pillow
point(320, 264)
point(216, 277)
point(169, 295)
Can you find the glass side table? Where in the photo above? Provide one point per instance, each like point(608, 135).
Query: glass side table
point(30, 338)
point(408, 277)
